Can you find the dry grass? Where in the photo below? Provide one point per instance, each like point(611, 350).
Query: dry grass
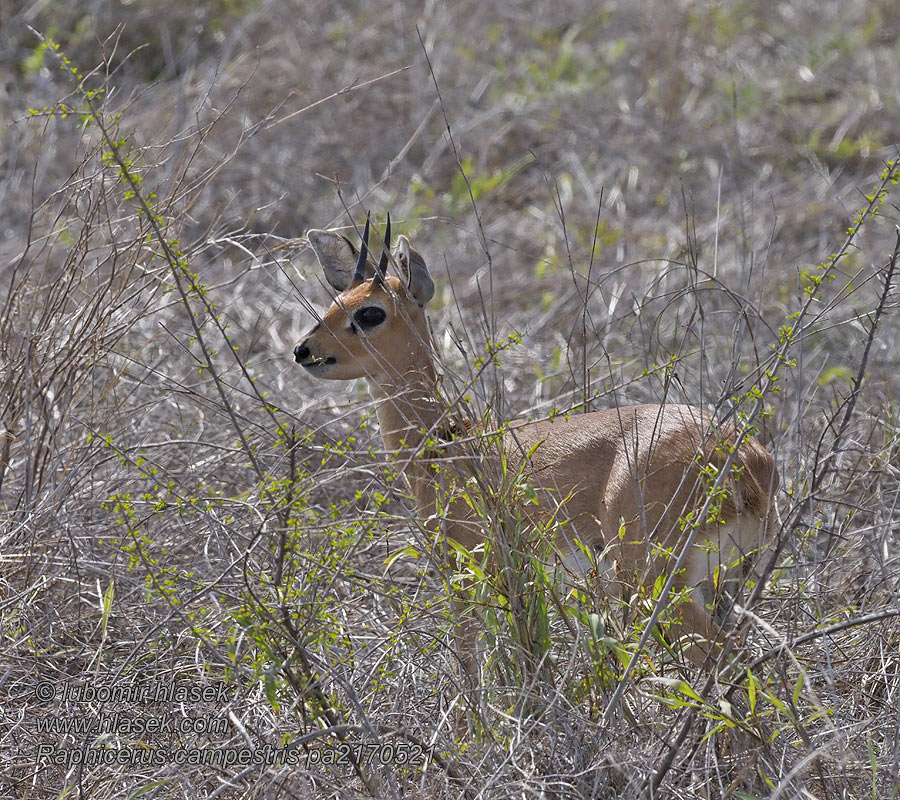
point(177, 503)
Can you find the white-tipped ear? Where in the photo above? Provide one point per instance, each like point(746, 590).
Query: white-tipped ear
point(336, 255)
point(414, 272)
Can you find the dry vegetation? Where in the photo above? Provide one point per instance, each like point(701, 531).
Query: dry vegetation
point(649, 193)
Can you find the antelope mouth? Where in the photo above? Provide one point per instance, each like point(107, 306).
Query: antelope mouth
point(318, 364)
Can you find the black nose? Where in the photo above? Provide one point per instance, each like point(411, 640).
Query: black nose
point(301, 353)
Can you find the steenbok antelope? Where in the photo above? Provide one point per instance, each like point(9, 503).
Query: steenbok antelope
point(626, 482)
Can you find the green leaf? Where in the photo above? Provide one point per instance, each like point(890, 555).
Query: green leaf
point(677, 685)
point(409, 551)
point(272, 692)
point(835, 374)
point(142, 790)
point(795, 698)
point(106, 606)
point(776, 701)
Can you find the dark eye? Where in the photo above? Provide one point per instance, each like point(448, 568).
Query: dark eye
point(369, 317)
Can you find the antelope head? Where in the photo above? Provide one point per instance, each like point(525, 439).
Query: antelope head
point(375, 327)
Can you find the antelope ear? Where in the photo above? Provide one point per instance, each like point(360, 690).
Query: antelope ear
point(336, 256)
point(414, 272)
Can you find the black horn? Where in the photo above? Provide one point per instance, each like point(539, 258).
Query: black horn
point(385, 249)
point(360, 273)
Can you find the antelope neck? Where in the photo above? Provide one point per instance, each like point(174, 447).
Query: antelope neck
point(407, 407)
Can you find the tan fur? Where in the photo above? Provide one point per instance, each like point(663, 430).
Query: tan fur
point(621, 478)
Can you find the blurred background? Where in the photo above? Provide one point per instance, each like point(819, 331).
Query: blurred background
point(644, 192)
point(735, 134)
